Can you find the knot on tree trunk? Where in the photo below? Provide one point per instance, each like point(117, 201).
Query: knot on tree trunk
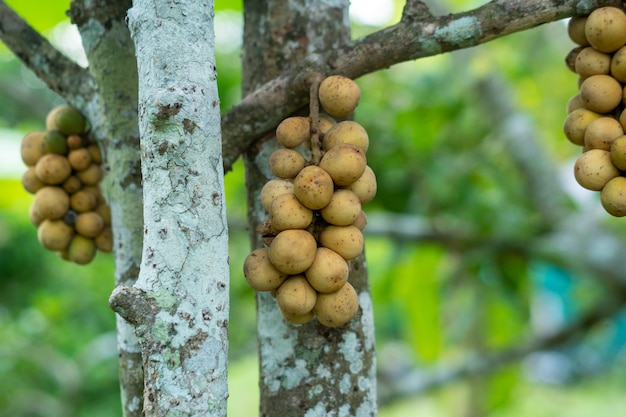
point(133, 305)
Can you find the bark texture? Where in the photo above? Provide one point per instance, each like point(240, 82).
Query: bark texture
point(179, 304)
point(307, 370)
point(113, 116)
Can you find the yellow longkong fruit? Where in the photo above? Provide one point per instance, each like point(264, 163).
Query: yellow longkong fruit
point(601, 93)
point(32, 148)
point(286, 163)
point(272, 189)
point(339, 95)
point(287, 212)
point(602, 132)
point(51, 203)
point(347, 132)
point(590, 62)
point(337, 308)
point(605, 29)
point(325, 124)
point(89, 224)
point(314, 187)
point(53, 169)
point(79, 159)
point(260, 274)
point(55, 234)
point(613, 197)
point(343, 209)
point(297, 318)
point(347, 241)
point(104, 210)
point(104, 241)
point(593, 169)
point(293, 251)
point(328, 272)
point(576, 30)
point(618, 64)
point(574, 103)
point(82, 250)
point(31, 182)
point(295, 296)
point(72, 184)
point(293, 131)
point(365, 187)
point(576, 124)
point(344, 163)
point(83, 201)
point(92, 175)
point(618, 153)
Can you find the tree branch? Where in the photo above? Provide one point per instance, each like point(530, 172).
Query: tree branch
point(60, 74)
point(417, 35)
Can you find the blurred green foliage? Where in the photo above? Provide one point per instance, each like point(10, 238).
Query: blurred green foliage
point(439, 163)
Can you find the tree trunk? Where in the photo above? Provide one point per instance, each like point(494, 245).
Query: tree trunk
point(179, 304)
point(113, 116)
point(309, 369)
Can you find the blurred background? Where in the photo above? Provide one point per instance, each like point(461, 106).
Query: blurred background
point(497, 281)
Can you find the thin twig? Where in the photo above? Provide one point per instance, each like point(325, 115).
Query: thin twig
point(314, 79)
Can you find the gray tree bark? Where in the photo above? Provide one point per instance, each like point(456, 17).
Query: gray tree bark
point(179, 304)
point(307, 370)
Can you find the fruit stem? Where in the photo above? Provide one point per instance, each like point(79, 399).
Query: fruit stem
point(314, 79)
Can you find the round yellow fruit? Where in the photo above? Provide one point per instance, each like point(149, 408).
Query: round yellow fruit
point(343, 209)
point(104, 241)
point(72, 184)
point(314, 187)
point(293, 251)
point(593, 169)
point(82, 250)
point(344, 163)
point(32, 148)
point(590, 61)
point(347, 241)
point(51, 202)
point(618, 153)
point(576, 123)
point(328, 272)
point(96, 155)
point(297, 318)
point(31, 182)
point(613, 197)
point(365, 187)
point(339, 95)
point(576, 30)
point(272, 189)
point(347, 132)
point(325, 123)
point(89, 224)
point(601, 132)
point(601, 93)
point(286, 163)
point(618, 64)
point(287, 212)
point(104, 210)
point(55, 234)
point(293, 131)
point(605, 29)
point(295, 296)
point(79, 159)
point(83, 201)
point(92, 175)
point(260, 274)
point(53, 169)
point(574, 103)
point(337, 308)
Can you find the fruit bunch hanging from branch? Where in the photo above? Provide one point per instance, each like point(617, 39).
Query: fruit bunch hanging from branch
point(314, 205)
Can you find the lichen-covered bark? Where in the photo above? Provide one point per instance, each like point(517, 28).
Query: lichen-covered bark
point(179, 304)
point(113, 115)
point(307, 370)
